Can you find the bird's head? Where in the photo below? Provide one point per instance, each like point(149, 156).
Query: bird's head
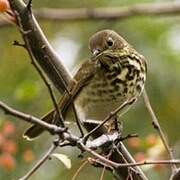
point(104, 40)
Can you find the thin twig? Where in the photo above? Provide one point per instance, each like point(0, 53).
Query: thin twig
point(37, 45)
point(113, 113)
point(104, 139)
point(157, 127)
point(28, 48)
point(120, 154)
point(39, 70)
point(142, 163)
point(126, 154)
point(31, 119)
point(74, 139)
point(176, 175)
point(78, 123)
point(40, 162)
point(80, 169)
point(102, 173)
point(48, 85)
point(98, 156)
point(17, 43)
point(55, 129)
point(42, 51)
point(61, 119)
point(118, 165)
point(130, 177)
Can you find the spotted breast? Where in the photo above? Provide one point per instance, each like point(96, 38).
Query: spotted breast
point(120, 76)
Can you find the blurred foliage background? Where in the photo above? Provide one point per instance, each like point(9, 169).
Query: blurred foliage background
point(157, 38)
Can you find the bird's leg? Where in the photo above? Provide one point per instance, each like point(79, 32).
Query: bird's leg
point(119, 124)
point(115, 125)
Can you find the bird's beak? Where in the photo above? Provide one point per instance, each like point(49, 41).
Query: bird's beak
point(95, 52)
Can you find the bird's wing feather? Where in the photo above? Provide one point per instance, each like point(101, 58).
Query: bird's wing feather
point(81, 79)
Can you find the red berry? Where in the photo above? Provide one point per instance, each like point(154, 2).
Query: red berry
point(151, 139)
point(7, 162)
point(134, 143)
point(2, 139)
point(9, 146)
point(4, 5)
point(8, 128)
point(140, 156)
point(28, 155)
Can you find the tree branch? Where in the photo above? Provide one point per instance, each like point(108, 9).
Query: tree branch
point(54, 69)
point(141, 163)
point(111, 13)
point(40, 162)
point(53, 129)
point(157, 127)
point(48, 61)
point(37, 43)
point(148, 9)
point(48, 85)
point(176, 175)
point(108, 118)
point(67, 136)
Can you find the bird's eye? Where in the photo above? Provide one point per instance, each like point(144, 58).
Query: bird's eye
point(110, 42)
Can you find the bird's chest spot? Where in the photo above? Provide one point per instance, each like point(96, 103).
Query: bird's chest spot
point(106, 87)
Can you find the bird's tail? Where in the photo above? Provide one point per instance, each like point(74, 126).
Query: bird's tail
point(35, 130)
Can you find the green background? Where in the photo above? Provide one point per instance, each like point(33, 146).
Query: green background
point(157, 38)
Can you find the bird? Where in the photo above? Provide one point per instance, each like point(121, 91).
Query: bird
point(114, 74)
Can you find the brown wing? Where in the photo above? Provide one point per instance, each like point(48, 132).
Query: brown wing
point(81, 79)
